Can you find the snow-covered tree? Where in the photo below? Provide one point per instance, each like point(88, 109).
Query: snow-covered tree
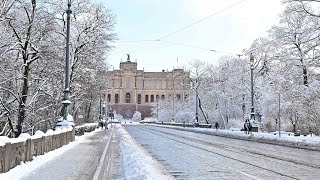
point(32, 47)
point(136, 116)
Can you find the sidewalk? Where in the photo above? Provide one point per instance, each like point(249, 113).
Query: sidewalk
point(77, 160)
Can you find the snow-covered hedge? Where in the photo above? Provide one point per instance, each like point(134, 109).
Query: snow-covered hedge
point(80, 130)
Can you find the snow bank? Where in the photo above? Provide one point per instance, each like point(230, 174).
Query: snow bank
point(24, 136)
point(87, 124)
point(303, 142)
point(4, 140)
point(137, 163)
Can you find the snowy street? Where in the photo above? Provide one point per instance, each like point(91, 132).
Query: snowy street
point(188, 155)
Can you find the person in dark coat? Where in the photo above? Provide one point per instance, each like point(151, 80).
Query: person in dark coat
point(216, 125)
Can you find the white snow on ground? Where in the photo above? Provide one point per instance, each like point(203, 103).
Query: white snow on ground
point(271, 135)
point(24, 168)
point(139, 164)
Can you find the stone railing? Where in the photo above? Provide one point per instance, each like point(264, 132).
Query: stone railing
point(80, 130)
point(13, 153)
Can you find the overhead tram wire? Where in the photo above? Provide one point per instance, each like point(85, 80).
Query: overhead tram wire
point(195, 47)
point(204, 49)
point(218, 12)
point(136, 41)
point(201, 48)
point(178, 44)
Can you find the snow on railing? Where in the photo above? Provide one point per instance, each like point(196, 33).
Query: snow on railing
point(13, 151)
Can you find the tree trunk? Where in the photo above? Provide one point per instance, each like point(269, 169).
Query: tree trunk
point(23, 101)
point(305, 76)
point(89, 109)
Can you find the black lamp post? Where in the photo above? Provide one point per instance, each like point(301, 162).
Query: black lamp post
point(252, 114)
point(66, 101)
point(279, 108)
point(195, 87)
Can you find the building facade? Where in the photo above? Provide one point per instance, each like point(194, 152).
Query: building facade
point(130, 89)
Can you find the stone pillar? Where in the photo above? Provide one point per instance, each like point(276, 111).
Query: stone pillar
point(28, 150)
point(7, 156)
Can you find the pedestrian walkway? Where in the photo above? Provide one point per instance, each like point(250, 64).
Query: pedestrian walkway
point(79, 162)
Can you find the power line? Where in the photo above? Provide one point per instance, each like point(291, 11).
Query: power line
point(191, 46)
point(218, 12)
point(176, 43)
point(136, 41)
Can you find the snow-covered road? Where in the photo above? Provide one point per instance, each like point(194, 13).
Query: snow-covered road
point(143, 152)
point(190, 155)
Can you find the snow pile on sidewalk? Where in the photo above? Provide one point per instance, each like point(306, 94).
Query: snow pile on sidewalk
point(137, 163)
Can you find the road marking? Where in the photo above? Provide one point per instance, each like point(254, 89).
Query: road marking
point(97, 173)
point(246, 174)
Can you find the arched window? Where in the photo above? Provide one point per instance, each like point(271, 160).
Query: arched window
point(109, 98)
point(147, 98)
point(116, 98)
point(127, 98)
point(139, 99)
point(152, 98)
point(157, 97)
point(162, 97)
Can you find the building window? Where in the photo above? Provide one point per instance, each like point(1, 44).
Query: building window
point(139, 99)
point(178, 96)
point(116, 98)
point(127, 98)
point(147, 98)
point(152, 98)
point(109, 98)
point(128, 83)
point(157, 97)
point(162, 97)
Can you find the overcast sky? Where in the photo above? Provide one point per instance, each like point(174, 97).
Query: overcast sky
point(230, 31)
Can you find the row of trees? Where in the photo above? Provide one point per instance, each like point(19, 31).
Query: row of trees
point(286, 62)
point(32, 48)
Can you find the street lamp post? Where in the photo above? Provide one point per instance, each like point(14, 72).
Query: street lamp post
point(157, 110)
point(195, 88)
point(252, 114)
point(197, 105)
point(66, 101)
point(279, 110)
point(104, 110)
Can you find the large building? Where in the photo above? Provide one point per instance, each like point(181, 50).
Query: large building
point(130, 89)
